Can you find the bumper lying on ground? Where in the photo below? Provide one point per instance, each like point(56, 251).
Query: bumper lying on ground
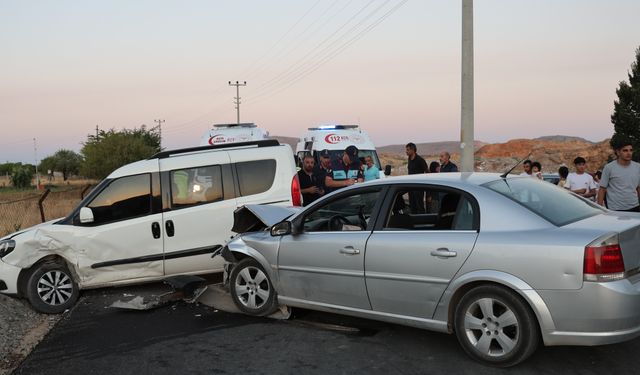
point(9, 278)
point(598, 314)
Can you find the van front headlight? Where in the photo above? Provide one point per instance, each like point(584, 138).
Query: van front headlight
point(6, 247)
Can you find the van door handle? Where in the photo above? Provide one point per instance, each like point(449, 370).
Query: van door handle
point(349, 250)
point(155, 229)
point(168, 226)
point(443, 252)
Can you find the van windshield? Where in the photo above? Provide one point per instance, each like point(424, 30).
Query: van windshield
point(337, 154)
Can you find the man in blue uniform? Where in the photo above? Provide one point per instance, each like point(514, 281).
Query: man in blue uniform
point(344, 171)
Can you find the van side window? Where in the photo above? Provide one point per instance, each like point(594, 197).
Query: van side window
point(256, 176)
point(193, 186)
point(124, 198)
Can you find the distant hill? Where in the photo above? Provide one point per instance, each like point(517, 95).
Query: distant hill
point(561, 138)
point(428, 148)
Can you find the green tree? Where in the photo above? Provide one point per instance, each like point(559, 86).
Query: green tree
point(626, 109)
point(65, 161)
point(21, 176)
point(112, 149)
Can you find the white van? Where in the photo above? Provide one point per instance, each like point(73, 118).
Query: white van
point(147, 220)
point(336, 138)
point(222, 134)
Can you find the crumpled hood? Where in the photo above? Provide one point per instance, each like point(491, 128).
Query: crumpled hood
point(31, 230)
point(256, 217)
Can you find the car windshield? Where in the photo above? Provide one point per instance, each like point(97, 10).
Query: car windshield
point(553, 203)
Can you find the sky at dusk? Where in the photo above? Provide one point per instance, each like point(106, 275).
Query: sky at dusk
point(542, 67)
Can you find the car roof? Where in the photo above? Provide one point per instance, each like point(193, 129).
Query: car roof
point(473, 178)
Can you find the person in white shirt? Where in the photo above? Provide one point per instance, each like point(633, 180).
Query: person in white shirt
point(581, 182)
point(526, 166)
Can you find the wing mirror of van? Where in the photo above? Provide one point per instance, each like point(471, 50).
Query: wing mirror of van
point(281, 229)
point(86, 215)
point(387, 170)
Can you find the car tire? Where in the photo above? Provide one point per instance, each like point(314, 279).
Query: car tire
point(51, 288)
point(251, 289)
point(495, 326)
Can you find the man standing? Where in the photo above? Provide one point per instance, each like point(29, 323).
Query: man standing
point(445, 164)
point(620, 182)
point(416, 165)
point(580, 182)
point(526, 165)
point(309, 182)
point(344, 171)
point(320, 170)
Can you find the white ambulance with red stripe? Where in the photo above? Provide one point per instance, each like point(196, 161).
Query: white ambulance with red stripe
point(336, 138)
point(221, 134)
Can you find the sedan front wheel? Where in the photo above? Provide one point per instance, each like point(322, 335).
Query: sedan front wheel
point(251, 288)
point(495, 326)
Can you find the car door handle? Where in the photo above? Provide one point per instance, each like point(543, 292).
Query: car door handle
point(349, 251)
point(443, 252)
point(155, 229)
point(168, 226)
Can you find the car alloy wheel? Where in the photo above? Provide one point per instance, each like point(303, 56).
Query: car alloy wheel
point(251, 288)
point(55, 288)
point(51, 288)
point(496, 326)
point(491, 327)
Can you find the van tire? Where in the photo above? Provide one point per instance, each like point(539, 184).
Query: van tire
point(51, 288)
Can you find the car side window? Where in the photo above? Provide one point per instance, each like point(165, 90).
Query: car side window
point(194, 186)
point(347, 213)
point(256, 176)
point(429, 209)
point(124, 198)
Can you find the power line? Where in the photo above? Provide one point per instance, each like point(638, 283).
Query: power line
point(310, 69)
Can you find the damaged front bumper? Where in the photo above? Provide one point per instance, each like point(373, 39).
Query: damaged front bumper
point(9, 278)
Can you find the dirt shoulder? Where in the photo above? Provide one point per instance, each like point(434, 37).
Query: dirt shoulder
point(21, 329)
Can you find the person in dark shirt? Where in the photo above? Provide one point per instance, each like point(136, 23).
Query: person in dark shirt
point(416, 165)
point(344, 171)
point(445, 163)
point(320, 169)
point(309, 182)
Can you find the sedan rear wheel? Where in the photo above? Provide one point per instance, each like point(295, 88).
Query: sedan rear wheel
point(495, 326)
point(251, 288)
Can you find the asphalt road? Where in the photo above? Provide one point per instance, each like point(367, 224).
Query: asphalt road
point(195, 339)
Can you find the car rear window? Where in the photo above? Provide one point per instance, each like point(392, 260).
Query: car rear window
point(256, 176)
point(555, 204)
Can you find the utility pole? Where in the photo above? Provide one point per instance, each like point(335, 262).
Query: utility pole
point(35, 155)
point(466, 111)
point(159, 130)
point(237, 97)
point(97, 132)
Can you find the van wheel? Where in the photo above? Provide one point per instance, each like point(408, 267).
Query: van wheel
point(251, 289)
point(495, 326)
point(51, 288)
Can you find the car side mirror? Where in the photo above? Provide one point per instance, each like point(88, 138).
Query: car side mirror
point(387, 170)
point(86, 215)
point(281, 229)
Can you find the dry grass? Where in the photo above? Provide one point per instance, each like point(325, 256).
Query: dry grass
point(19, 209)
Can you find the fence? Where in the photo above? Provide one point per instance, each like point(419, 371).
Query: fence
point(23, 211)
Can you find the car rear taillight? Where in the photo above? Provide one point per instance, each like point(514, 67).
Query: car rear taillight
point(603, 260)
point(296, 197)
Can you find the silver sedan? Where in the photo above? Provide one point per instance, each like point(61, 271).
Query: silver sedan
point(502, 263)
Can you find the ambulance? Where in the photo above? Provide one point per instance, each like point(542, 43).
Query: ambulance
point(336, 138)
point(233, 133)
